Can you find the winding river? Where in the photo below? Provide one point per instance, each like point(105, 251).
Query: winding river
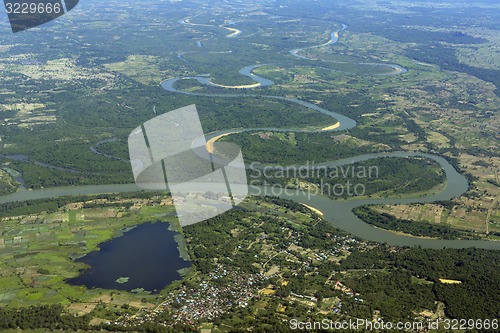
point(338, 212)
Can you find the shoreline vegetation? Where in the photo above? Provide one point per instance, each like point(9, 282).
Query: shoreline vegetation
point(180, 239)
point(414, 229)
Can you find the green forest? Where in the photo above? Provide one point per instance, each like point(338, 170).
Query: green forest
point(421, 228)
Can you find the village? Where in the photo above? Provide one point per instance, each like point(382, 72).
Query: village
point(227, 287)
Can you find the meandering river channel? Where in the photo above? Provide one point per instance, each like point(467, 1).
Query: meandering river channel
point(338, 212)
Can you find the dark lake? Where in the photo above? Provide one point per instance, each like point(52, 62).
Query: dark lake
point(147, 255)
